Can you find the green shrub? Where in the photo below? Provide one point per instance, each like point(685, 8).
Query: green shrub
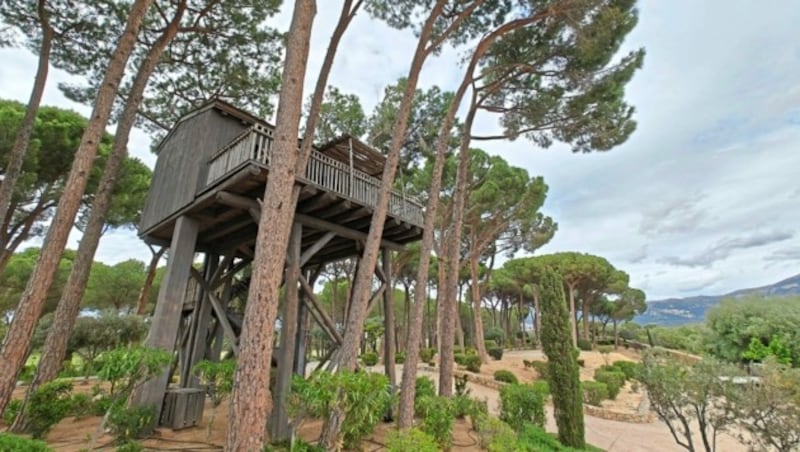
point(489, 344)
point(50, 403)
point(126, 367)
point(423, 387)
point(130, 446)
point(527, 364)
point(9, 442)
point(584, 345)
point(534, 438)
point(467, 406)
point(12, 410)
point(495, 334)
point(541, 367)
point(81, 406)
point(411, 440)
point(605, 349)
point(427, 354)
point(629, 368)
point(363, 397)
point(460, 359)
point(130, 423)
point(521, 404)
point(217, 376)
point(505, 376)
point(473, 363)
point(496, 353)
point(582, 362)
point(438, 416)
point(399, 357)
point(369, 358)
point(542, 387)
point(613, 380)
point(495, 435)
point(594, 392)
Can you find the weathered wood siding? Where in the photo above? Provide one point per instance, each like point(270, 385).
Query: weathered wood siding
point(182, 165)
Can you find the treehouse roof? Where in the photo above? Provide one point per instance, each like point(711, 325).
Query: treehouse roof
point(365, 157)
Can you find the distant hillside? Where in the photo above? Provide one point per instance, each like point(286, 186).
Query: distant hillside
point(680, 311)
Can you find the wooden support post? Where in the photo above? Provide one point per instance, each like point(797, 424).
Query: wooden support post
point(200, 322)
point(219, 311)
point(167, 315)
point(279, 423)
point(388, 322)
point(326, 321)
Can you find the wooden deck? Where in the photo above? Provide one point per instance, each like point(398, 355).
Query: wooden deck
point(336, 198)
point(323, 172)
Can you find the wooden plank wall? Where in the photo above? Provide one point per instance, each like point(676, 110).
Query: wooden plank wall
point(182, 163)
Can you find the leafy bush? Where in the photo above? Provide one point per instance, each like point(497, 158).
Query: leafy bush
point(369, 358)
point(128, 366)
point(594, 392)
point(130, 446)
point(427, 354)
point(489, 344)
point(9, 442)
point(460, 359)
point(473, 363)
point(505, 376)
point(12, 410)
point(613, 380)
point(423, 387)
point(495, 334)
point(129, 423)
point(81, 406)
point(363, 397)
point(541, 367)
point(496, 353)
point(542, 387)
point(629, 368)
point(584, 345)
point(535, 438)
point(605, 349)
point(411, 440)
point(399, 357)
point(438, 415)
point(50, 403)
point(521, 404)
point(495, 435)
point(467, 406)
point(217, 376)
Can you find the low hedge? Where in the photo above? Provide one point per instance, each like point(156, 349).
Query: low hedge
point(505, 376)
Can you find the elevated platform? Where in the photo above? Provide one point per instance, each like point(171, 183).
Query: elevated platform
point(336, 197)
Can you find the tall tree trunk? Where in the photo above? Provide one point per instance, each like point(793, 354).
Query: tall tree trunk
point(251, 402)
point(23, 138)
point(144, 294)
point(17, 341)
point(55, 346)
point(475, 289)
point(616, 335)
point(459, 327)
point(585, 315)
point(348, 355)
point(454, 261)
point(572, 314)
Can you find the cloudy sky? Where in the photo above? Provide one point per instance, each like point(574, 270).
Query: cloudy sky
point(704, 198)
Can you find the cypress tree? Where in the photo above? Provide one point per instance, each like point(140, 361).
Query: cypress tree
point(563, 357)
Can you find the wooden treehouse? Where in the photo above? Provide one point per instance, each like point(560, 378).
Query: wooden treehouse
point(204, 204)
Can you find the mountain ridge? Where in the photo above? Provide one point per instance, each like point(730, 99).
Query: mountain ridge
point(681, 311)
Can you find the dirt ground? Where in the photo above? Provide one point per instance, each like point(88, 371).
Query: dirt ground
point(74, 435)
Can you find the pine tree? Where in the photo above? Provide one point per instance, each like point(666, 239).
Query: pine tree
point(563, 372)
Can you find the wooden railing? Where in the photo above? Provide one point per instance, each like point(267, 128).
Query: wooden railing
point(255, 144)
